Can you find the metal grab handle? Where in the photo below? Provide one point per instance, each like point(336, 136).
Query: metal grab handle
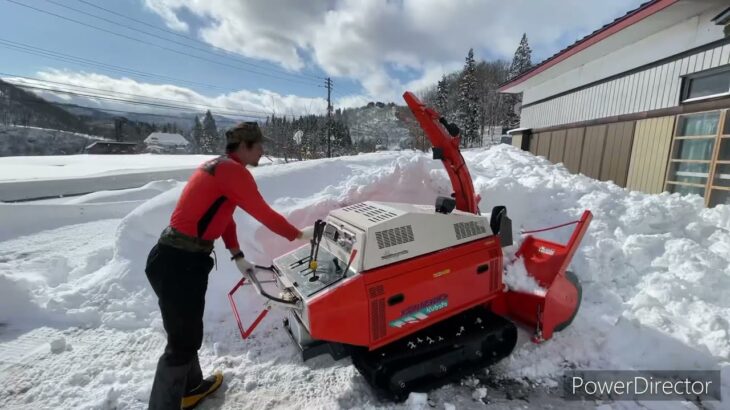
point(260, 290)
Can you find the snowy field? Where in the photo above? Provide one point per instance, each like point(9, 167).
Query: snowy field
point(81, 328)
point(32, 177)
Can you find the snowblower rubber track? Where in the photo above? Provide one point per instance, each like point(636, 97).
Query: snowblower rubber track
point(438, 354)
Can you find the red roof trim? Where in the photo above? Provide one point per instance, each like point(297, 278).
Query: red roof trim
point(632, 17)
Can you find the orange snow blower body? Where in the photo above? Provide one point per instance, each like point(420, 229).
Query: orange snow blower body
point(422, 295)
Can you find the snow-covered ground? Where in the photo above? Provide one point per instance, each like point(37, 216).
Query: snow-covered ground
point(33, 177)
point(81, 328)
point(87, 165)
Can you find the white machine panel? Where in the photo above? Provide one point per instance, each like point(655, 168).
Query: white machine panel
point(395, 232)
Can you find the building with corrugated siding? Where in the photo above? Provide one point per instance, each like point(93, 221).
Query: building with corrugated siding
point(642, 101)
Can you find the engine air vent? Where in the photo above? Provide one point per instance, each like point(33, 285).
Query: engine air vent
point(375, 291)
point(468, 229)
point(373, 214)
point(395, 236)
point(377, 318)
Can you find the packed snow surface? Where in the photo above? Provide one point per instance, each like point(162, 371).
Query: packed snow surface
point(84, 165)
point(81, 327)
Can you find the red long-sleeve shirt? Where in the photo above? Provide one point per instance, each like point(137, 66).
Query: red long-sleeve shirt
point(205, 208)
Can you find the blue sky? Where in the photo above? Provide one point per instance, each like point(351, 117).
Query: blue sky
point(373, 50)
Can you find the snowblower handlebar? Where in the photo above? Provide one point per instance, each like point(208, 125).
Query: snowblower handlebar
point(446, 148)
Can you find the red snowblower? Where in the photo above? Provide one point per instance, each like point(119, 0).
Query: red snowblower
point(414, 294)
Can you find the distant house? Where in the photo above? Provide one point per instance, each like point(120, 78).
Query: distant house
point(162, 142)
point(643, 101)
point(111, 147)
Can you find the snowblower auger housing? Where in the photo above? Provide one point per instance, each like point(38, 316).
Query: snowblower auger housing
point(414, 293)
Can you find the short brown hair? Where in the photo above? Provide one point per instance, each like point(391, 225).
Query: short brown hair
point(247, 132)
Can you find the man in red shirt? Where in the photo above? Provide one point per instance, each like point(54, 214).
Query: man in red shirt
point(179, 264)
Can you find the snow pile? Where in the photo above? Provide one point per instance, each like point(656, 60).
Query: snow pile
point(517, 279)
point(654, 269)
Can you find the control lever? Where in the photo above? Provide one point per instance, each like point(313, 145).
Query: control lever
point(319, 226)
point(314, 243)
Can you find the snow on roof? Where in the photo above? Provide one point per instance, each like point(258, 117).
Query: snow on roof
point(521, 129)
point(164, 138)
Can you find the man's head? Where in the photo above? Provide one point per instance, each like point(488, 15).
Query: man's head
point(246, 141)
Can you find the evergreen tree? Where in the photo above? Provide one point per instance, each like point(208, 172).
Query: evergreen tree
point(442, 96)
point(210, 140)
point(468, 102)
point(197, 134)
point(521, 62)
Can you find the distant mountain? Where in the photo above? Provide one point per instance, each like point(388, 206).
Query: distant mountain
point(16, 140)
point(20, 107)
point(182, 121)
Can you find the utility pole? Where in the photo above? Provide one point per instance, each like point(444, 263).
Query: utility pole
point(328, 85)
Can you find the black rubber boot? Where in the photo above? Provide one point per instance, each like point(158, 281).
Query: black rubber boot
point(193, 397)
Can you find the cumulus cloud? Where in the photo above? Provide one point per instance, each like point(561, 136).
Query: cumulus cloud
point(158, 98)
point(359, 39)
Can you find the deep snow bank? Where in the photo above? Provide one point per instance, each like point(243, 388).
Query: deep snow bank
point(654, 270)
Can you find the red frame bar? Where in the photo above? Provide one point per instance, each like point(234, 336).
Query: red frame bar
point(245, 333)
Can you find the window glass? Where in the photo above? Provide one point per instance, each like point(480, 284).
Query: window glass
point(722, 175)
point(689, 172)
point(693, 149)
point(684, 189)
point(702, 86)
point(724, 154)
point(719, 197)
point(704, 123)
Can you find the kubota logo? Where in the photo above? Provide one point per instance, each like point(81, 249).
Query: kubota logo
point(546, 250)
point(420, 311)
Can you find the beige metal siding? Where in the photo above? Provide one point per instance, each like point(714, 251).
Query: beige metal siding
point(593, 144)
point(651, 89)
point(616, 155)
point(573, 149)
point(557, 146)
point(649, 154)
point(517, 140)
point(543, 145)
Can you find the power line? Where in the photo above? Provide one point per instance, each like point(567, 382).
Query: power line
point(73, 59)
point(133, 102)
point(153, 44)
point(182, 36)
point(219, 54)
point(129, 94)
point(24, 48)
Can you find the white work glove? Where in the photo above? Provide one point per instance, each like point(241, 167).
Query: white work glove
point(307, 233)
point(245, 266)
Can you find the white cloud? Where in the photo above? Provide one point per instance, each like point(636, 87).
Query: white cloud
point(168, 15)
point(358, 39)
point(259, 103)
